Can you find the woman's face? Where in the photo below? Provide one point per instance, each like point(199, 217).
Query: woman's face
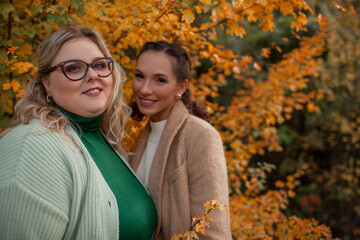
point(155, 86)
point(87, 97)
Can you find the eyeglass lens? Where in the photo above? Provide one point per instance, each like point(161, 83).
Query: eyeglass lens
point(76, 70)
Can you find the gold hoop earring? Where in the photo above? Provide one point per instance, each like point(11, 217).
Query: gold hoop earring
point(178, 96)
point(48, 98)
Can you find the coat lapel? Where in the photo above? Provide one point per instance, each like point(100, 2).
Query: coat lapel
point(175, 121)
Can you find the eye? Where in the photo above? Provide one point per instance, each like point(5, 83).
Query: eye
point(74, 67)
point(161, 80)
point(138, 75)
point(101, 64)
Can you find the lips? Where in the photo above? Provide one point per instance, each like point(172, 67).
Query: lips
point(146, 102)
point(93, 91)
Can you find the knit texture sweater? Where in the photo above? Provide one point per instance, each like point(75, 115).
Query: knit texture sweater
point(49, 189)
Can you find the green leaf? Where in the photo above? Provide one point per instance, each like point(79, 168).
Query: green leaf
point(77, 3)
point(5, 9)
point(37, 9)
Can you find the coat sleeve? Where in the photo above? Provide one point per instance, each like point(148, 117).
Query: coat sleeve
point(208, 181)
point(36, 187)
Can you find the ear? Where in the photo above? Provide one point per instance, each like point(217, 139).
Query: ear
point(182, 86)
point(45, 82)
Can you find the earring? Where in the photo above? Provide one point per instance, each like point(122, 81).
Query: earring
point(49, 98)
point(178, 96)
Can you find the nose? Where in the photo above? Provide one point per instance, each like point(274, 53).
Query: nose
point(145, 88)
point(91, 74)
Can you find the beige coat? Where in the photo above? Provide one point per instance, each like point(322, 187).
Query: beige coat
point(188, 169)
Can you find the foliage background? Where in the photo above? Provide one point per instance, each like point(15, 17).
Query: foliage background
point(280, 78)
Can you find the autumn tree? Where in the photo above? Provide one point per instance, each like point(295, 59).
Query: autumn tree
point(326, 141)
point(266, 97)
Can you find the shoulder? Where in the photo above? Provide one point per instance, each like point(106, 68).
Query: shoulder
point(29, 147)
point(196, 126)
point(36, 135)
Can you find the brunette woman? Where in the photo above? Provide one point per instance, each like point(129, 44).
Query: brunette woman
point(178, 155)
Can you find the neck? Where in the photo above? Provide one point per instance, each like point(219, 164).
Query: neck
point(84, 124)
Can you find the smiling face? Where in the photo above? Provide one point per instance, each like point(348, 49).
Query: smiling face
point(88, 97)
point(155, 86)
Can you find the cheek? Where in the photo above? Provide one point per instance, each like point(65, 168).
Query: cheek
point(135, 86)
point(61, 87)
point(110, 83)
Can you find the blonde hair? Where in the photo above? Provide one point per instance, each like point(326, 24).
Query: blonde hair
point(34, 104)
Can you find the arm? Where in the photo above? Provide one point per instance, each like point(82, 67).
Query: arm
point(36, 187)
point(208, 181)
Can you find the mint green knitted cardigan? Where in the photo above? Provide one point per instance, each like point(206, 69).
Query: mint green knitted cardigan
point(50, 191)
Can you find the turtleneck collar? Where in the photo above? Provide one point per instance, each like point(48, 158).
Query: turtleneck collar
point(83, 124)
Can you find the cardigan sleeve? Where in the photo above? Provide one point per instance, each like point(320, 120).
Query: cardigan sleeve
point(208, 181)
point(36, 186)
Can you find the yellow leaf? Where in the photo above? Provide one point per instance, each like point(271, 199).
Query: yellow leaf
point(353, 10)
point(286, 7)
point(26, 50)
point(311, 107)
point(262, 2)
point(198, 9)
point(296, 25)
point(205, 1)
point(125, 59)
point(265, 52)
point(9, 106)
point(11, 50)
point(323, 21)
point(291, 194)
point(257, 66)
point(267, 25)
point(21, 93)
point(6, 86)
point(279, 184)
point(187, 16)
point(338, 6)
point(15, 85)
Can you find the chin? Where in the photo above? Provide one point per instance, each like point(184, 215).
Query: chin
point(146, 112)
point(95, 112)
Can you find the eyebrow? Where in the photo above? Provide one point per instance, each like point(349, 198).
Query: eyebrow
point(156, 74)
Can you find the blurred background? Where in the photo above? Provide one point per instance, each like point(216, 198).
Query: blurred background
point(281, 79)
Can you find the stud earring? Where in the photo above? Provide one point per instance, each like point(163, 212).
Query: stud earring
point(178, 96)
point(49, 98)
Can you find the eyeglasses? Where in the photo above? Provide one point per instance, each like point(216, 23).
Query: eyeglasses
point(76, 69)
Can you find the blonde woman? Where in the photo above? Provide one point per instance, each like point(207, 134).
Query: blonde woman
point(62, 175)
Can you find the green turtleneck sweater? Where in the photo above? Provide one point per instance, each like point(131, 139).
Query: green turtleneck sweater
point(137, 213)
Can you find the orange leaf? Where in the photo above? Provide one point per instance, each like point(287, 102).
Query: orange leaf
point(187, 16)
point(6, 86)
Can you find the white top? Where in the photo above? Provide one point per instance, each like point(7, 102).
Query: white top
point(147, 158)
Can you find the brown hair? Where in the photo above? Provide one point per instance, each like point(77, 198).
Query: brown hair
point(182, 71)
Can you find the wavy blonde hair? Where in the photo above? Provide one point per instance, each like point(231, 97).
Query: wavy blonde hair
point(34, 104)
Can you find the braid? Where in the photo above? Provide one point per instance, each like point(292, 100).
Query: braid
point(195, 108)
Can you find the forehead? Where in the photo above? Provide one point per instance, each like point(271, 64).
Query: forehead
point(81, 49)
point(153, 61)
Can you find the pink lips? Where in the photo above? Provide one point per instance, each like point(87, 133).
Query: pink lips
point(146, 102)
point(93, 92)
